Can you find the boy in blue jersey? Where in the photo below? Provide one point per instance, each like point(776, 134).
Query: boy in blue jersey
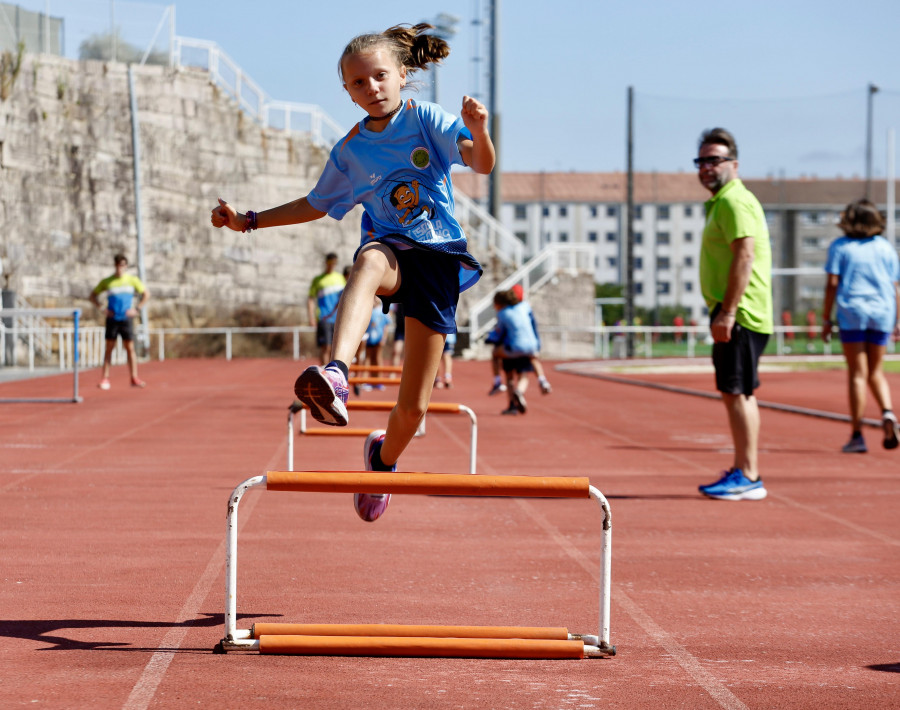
point(396, 163)
point(120, 312)
point(321, 305)
point(517, 345)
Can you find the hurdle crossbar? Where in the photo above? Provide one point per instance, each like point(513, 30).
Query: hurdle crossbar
point(361, 380)
point(375, 368)
point(418, 640)
point(378, 406)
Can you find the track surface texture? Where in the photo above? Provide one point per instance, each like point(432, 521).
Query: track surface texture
point(113, 545)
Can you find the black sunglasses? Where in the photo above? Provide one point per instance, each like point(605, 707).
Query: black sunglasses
point(712, 160)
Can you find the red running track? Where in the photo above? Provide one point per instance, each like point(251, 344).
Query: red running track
point(113, 527)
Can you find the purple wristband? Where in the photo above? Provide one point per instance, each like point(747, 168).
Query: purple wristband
point(250, 224)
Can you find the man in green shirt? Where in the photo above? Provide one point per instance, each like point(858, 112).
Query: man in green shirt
point(736, 280)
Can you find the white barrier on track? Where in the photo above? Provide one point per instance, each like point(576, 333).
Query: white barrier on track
point(368, 643)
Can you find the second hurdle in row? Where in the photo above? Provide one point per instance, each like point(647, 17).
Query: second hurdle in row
point(361, 405)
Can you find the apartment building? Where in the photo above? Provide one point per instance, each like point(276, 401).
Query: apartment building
point(590, 208)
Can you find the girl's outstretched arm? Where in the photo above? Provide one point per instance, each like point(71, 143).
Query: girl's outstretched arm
point(477, 153)
point(295, 212)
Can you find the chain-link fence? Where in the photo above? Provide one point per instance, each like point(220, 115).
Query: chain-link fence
point(90, 29)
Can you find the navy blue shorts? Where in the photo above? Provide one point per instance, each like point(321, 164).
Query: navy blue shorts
point(429, 288)
point(869, 336)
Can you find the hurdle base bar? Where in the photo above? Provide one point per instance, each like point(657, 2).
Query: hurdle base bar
point(422, 484)
point(418, 647)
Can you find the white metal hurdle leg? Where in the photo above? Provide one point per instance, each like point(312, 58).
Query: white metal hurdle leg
point(423, 484)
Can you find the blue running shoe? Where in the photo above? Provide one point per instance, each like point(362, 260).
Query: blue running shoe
point(734, 485)
point(324, 391)
point(856, 445)
point(371, 506)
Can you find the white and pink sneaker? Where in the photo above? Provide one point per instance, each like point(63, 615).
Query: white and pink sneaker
point(324, 391)
point(371, 506)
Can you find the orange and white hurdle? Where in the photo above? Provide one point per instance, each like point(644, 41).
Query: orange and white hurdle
point(417, 640)
point(360, 405)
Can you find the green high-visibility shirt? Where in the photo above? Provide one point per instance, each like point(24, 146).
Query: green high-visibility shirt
point(735, 213)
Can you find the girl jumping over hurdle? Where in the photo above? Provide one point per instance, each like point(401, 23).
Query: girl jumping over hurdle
point(396, 163)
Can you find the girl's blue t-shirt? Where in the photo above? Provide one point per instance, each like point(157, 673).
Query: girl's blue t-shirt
point(401, 176)
point(516, 330)
point(868, 269)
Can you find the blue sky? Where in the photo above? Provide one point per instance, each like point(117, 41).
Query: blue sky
point(789, 78)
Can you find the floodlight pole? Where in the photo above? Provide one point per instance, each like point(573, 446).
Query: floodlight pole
point(871, 93)
point(629, 228)
point(494, 192)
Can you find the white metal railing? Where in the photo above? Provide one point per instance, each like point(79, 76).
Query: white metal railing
point(487, 232)
point(26, 326)
point(227, 74)
point(576, 258)
point(558, 342)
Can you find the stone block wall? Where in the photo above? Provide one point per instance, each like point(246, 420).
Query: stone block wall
point(67, 193)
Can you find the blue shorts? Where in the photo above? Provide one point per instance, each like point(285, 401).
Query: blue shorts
point(429, 288)
point(874, 337)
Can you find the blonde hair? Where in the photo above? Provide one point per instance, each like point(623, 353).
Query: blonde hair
point(410, 45)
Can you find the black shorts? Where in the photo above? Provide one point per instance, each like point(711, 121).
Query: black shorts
point(115, 328)
point(737, 361)
point(429, 288)
point(517, 364)
point(324, 333)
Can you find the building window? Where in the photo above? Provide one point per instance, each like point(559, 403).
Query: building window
point(662, 212)
point(519, 212)
point(563, 211)
point(662, 263)
point(611, 211)
point(547, 238)
point(688, 211)
point(592, 236)
point(810, 218)
point(638, 237)
point(638, 211)
point(688, 237)
point(638, 288)
point(563, 236)
point(611, 262)
point(522, 237)
point(662, 287)
point(688, 286)
point(811, 242)
point(593, 210)
point(611, 237)
point(688, 261)
point(545, 211)
point(662, 237)
point(638, 263)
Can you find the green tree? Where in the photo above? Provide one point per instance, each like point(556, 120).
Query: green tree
point(102, 46)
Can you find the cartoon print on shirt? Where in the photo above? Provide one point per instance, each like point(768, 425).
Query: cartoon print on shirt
point(411, 201)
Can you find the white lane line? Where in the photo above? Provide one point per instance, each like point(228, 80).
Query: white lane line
point(143, 691)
